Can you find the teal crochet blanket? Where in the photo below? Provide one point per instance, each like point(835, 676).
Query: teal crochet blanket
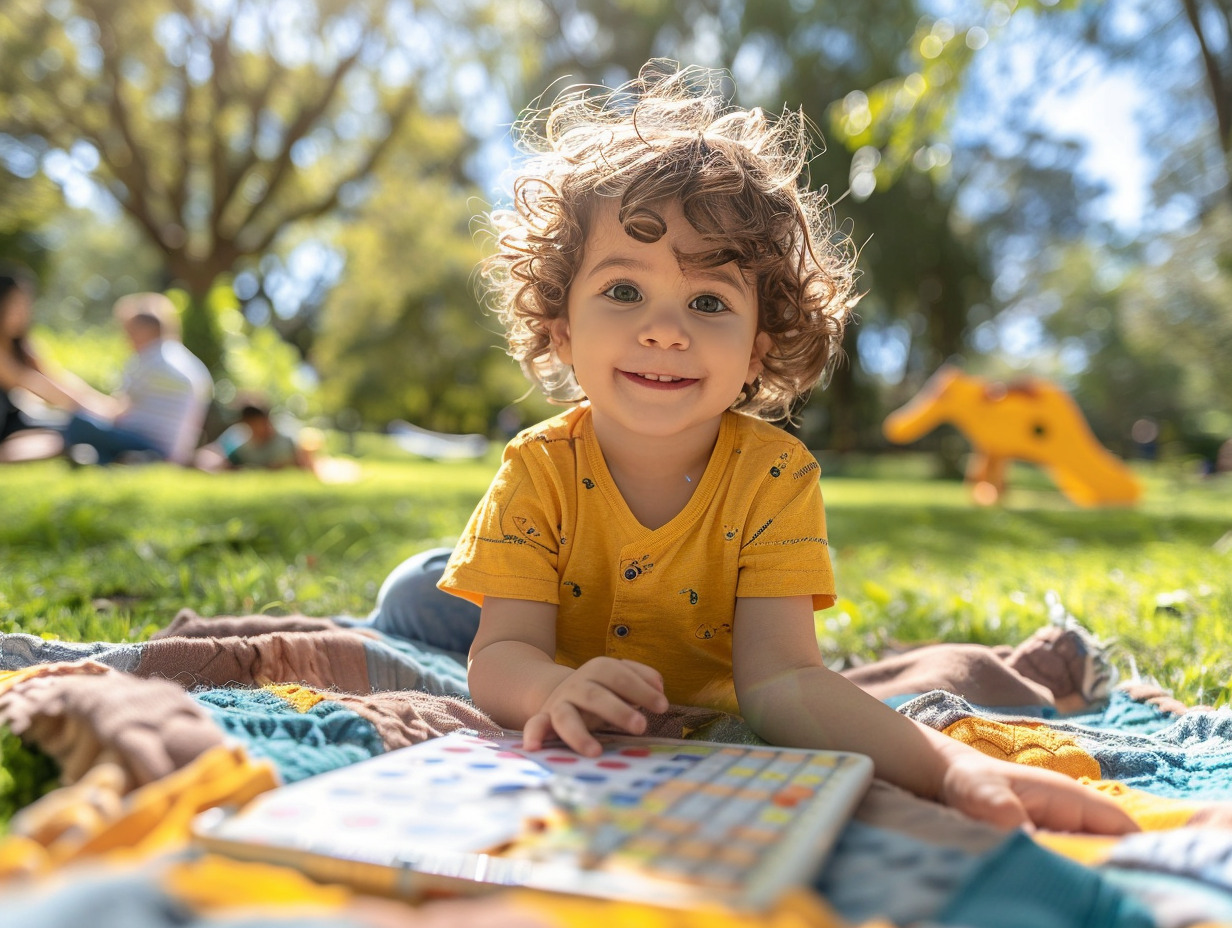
point(314, 695)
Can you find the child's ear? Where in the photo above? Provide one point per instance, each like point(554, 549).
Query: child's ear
point(558, 331)
point(761, 344)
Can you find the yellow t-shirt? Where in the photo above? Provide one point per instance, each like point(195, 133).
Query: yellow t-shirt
point(554, 528)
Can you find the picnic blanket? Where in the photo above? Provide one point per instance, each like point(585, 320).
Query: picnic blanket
point(109, 750)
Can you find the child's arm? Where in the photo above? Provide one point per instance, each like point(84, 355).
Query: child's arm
point(514, 678)
point(789, 697)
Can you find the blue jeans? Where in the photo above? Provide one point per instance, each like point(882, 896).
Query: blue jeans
point(410, 606)
point(110, 441)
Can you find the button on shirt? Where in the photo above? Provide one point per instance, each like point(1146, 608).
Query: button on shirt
point(554, 528)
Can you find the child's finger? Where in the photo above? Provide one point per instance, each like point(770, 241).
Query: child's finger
point(570, 728)
point(646, 672)
point(1105, 818)
point(995, 803)
point(629, 681)
point(1065, 805)
point(608, 705)
point(537, 729)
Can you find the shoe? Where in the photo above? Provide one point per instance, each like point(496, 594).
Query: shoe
point(81, 456)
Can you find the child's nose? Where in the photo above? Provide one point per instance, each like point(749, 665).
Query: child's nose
point(663, 328)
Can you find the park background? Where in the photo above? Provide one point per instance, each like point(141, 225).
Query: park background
point(1036, 188)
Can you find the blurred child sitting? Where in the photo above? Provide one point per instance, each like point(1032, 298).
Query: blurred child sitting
point(254, 441)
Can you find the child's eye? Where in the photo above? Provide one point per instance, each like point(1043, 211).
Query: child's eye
point(709, 304)
point(623, 293)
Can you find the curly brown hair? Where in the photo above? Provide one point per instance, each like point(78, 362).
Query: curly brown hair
point(671, 135)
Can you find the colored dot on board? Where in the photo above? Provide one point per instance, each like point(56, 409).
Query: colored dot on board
point(482, 765)
point(459, 749)
point(613, 764)
point(587, 777)
point(561, 759)
point(422, 828)
point(635, 752)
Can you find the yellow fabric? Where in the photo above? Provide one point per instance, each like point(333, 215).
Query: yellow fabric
point(1036, 746)
point(10, 678)
point(153, 818)
point(213, 882)
point(1152, 813)
point(159, 814)
point(21, 857)
point(301, 698)
point(1088, 850)
point(798, 908)
point(554, 528)
point(77, 811)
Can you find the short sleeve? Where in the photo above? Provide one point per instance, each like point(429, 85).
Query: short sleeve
point(511, 546)
point(786, 551)
point(232, 440)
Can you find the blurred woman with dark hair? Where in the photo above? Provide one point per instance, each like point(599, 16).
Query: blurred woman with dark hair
point(20, 369)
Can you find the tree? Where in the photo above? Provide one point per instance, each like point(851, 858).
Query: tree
point(402, 335)
point(1211, 23)
point(217, 127)
point(23, 203)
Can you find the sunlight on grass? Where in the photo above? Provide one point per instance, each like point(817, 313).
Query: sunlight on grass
point(114, 554)
point(917, 562)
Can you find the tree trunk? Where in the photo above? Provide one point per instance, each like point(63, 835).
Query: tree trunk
point(202, 335)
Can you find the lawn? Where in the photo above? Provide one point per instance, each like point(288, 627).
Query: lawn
point(113, 554)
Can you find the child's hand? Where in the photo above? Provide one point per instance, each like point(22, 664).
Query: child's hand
point(604, 692)
point(1016, 795)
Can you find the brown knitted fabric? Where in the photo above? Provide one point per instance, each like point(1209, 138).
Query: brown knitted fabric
point(148, 728)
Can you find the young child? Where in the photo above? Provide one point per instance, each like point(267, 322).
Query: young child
point(660, 543)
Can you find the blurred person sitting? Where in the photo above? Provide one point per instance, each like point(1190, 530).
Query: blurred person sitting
point(159, 409)
point(254, 441)
point(1223, 460)
point(23, 437)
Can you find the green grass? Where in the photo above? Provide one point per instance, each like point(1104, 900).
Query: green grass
point(113, 555)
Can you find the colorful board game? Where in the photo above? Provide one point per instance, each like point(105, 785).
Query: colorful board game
point(668, 822)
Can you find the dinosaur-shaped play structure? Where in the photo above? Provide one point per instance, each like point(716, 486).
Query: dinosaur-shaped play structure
point(1029, 420)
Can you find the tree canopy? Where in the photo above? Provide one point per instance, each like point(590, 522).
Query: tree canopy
point(319, 160)
point(216, 127)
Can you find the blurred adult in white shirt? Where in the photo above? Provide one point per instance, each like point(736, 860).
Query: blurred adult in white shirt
point(165, 390)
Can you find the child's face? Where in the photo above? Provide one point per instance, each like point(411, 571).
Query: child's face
point(659, 350)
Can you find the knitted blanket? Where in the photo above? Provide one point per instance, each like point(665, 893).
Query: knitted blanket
point(110, 749)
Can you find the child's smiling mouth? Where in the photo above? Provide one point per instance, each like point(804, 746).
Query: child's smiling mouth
point(659, 381)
